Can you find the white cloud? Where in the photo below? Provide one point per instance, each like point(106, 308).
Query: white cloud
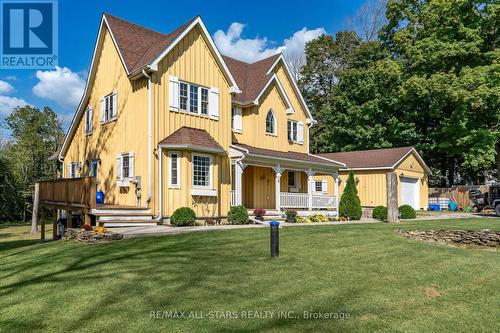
point(7, 104)
point(60, 85)
point(5, 87)
point(232, 44)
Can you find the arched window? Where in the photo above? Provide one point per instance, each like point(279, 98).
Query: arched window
point(270, 123)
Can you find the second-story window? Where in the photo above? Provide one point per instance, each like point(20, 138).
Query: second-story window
point(204, 100)
point(292, 130)
point(193, 99)
point(88, 121)
point(109, 107)
point(270, 123)
point(183, 96)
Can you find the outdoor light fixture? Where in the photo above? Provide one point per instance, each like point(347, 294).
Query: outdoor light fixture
point(87, 163)
point(357, 181)
point(423, 180)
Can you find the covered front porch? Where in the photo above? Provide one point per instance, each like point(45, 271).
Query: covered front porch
point(267, 179)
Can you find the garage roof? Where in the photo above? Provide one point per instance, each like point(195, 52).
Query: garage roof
point(387, 158)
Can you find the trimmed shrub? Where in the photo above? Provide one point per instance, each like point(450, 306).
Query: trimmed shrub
point(183, 217)
point(301, 219)
point(407, 212)
point(238, 215)
point(259, 213)
point(291, 216)
point(380, 213)
point(318, 218)
point(350, 205)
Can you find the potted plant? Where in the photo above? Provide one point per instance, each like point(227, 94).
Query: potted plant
point(259, 213)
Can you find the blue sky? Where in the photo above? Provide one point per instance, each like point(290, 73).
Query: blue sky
point(242, 29)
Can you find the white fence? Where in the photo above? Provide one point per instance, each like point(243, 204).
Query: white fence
point(301, 200)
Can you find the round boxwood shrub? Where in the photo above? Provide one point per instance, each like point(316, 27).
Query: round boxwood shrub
point(182, 217)
point(350, 205)
point(238, 215)
point(407, 212)
point(380, 213)
point(291, 216)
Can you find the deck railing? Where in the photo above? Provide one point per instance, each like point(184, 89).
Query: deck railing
point(69, 192)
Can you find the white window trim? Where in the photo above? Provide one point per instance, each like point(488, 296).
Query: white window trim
point(275, 121)
point(211, 168)
point(315, 189)
point(188, 101)
point(115, 107)
point(71, 164)
point(96, 163)
point(296, 124)
point(89, 129)
point(178, 185)
point(125, 181)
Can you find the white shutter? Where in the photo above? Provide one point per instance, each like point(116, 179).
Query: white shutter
point(324, 185)
point(131, 159)
point(103, 110)
point(238, 119)
point(213, 103)
point(174, 92)
point(114, 111)
point(300, 132)
point(119, 166)
point(68, 175)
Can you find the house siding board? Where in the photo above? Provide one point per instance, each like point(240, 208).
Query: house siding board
point(254, 119)
point(191, 60)
point(127, 134)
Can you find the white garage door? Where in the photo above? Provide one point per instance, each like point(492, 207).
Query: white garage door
point(410, 192)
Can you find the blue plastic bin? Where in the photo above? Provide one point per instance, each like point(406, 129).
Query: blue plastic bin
point(435, 207)
point(99, 197)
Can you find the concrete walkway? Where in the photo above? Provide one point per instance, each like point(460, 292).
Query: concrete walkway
point(161, 230)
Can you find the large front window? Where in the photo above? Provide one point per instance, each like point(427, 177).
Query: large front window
point(183, 98)
point(270, 123)
point(201, 171)
point(193, 98)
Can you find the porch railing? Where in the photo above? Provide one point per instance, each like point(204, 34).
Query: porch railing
point(301, 200)
point(294, 200)
point(233, 197)
point(324, 201)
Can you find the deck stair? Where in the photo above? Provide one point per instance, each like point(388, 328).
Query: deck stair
point(124, 216)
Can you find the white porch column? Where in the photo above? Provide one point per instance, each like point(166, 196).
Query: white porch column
point(238, 183)
point(278, 171)
point(310, 187)
point(160, 187)
point(336, 189)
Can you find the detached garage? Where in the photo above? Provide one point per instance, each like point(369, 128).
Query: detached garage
point(370, 168)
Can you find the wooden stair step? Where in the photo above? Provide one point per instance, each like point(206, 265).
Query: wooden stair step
point(123, 214)
point(127, 221)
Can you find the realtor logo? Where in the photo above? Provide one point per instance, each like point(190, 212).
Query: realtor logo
point(29, 34)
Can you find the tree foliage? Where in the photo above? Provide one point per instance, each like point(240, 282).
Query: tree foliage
point(431, 81)
point(34, 136)
point(350, 204)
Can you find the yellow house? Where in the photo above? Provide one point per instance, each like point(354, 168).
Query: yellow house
point(370, 168)
point(166, 121)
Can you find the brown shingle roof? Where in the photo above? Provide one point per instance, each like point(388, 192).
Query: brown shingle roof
point(138, 45)
point(290, 155)
point(374, 158)
point(192, 138)
point(251, 78)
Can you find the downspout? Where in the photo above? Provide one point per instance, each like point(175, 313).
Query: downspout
point(150, 135)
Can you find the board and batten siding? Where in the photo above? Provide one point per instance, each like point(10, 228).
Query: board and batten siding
point(191, 61)
point(128, 133)
point(254, 119)
point(372, 186)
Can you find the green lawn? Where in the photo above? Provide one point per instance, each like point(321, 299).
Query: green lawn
point(383, 281)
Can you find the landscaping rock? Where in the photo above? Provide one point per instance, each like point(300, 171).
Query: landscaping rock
point(91, 236)
point(483, 238)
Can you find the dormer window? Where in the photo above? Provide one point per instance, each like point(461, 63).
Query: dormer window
point(270, 123)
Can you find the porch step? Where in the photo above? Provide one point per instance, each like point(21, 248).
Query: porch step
point(124, 210)
point(129, 223)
